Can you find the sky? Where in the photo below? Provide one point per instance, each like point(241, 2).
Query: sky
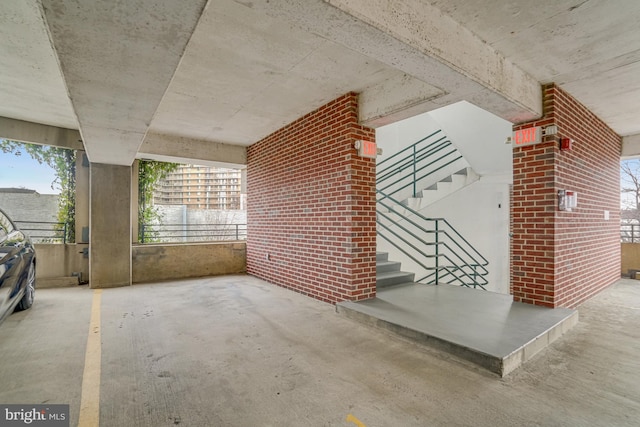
point(24, 172)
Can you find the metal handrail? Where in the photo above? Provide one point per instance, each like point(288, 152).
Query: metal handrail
point(44, 231)
point(453, 258)
point(167, 233)
point(474, 279)
point(410, 160)
point(444, 221)
point(393, 156)
point(449, 257)
point(419, 158)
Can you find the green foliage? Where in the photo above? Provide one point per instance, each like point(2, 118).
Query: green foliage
point(149, 175)
point(63, 162)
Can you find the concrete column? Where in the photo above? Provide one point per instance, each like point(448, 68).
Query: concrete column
point(135, 170)
point(82, 197)
point(110, 226)
point(243, 188)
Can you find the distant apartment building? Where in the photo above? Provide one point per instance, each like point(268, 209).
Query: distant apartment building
point(201, 187)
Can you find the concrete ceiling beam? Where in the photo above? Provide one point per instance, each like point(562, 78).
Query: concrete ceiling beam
point(170, 148)
point(117, 60)
point(418, 39)
point(395, 99)
point(631, 146)
point(36, 133)
point(31, 85)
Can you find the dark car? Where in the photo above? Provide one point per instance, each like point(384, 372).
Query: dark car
point(17, 268)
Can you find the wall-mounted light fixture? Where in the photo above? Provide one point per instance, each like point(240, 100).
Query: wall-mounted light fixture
point(551, 130)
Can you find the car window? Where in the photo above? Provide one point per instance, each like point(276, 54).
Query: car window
point(6, 226)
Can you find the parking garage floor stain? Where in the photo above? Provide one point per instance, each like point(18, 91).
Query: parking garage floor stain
point(236, 351)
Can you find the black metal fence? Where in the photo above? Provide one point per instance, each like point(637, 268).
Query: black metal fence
point(176, 233)
point(630, 233)
point(56, 232)
point(44, 232)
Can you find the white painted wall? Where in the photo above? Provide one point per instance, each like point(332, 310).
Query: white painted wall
point(396, 136)
point(400, 135)
point(480, 211)
point(479, 136)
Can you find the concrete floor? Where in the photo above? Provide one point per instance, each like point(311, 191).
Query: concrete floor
point(236, 351)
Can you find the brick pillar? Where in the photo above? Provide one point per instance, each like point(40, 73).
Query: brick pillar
point(311, 206)
point(560, 258)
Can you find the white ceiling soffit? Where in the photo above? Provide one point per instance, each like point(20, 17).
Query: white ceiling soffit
point(31, 85)
point(118, 59)
point(590, 48)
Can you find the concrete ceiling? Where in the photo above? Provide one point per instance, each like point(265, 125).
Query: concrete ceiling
point(149, 78)
point(591, 48)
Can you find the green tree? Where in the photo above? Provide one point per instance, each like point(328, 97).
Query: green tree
point(63, 162)
point(149, 175)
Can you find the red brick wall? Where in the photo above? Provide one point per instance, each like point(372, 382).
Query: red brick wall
point(559, 258)
point(311, 206)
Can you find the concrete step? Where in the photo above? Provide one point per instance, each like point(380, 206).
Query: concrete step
point(382, 256)
point(463, 322)
point(388, 272)
point(393, 278)
point(442, 189)
point(387, 266)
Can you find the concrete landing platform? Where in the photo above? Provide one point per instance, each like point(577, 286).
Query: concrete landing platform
point(485, 328)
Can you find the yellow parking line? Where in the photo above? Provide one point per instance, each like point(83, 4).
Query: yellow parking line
point(354, 420)
point(90, 400)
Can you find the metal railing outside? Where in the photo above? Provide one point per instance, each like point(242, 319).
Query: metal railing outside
point(630, 233)
point(43, 231)
point(406, 168)
point(176, 233)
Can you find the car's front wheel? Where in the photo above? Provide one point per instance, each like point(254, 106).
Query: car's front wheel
point(30, 290)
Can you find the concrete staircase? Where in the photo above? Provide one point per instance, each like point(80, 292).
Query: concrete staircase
point(442, 188)
point(388, 273)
